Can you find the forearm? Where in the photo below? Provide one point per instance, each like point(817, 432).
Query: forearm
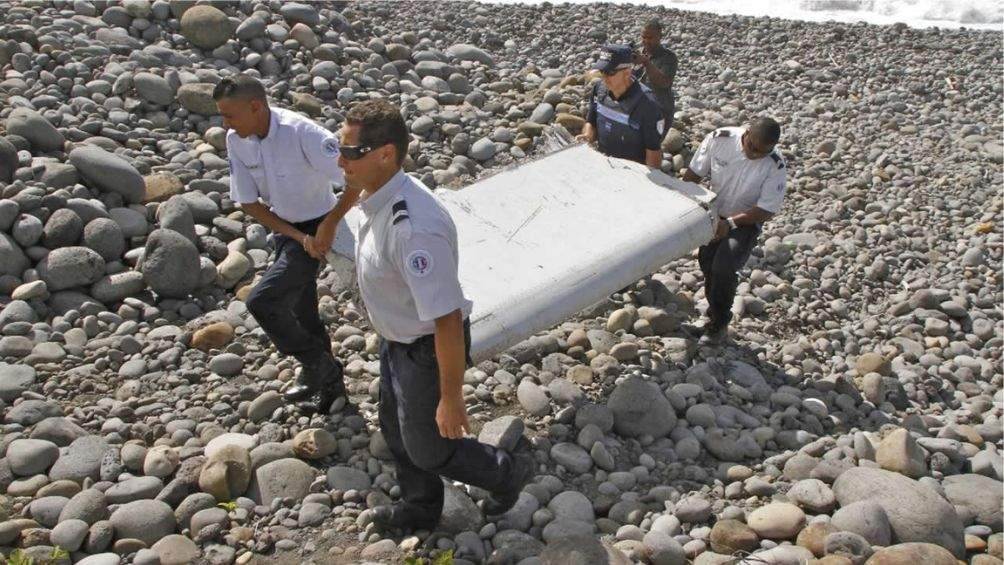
point(691, 176)
point(589, 132)
point(653, 158)
point(752, 217)
point(656, 76)
point(348, 199)
point(450, 345)
point(267, 218)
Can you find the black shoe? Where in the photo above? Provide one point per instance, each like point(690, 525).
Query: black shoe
point(715, 335)
point(323, 376)
point(523, 470)
point(403, 516)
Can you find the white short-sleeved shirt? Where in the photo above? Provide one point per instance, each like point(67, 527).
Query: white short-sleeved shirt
point(292, 170)
point(740, 183)
point(406, 260)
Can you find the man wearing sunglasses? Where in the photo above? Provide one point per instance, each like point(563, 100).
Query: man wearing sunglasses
point(406, 262)
point(282, 170)
point(623, 117)
point(748, 175)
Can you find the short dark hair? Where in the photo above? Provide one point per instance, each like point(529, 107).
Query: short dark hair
point(244, 87)
point(380, 123)
point(653, 25)
point(766, 130)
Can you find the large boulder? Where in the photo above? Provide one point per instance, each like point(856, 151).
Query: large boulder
point(915, 512)
point(640, 408)
point(206, 27)
point(68, 267)
point(109, 172)
point(198, 98)
point(30, 125)
point(170, 264)
point(81, 460)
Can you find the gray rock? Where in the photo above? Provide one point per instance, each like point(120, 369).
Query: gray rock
point(131, 222)
point(81, 460)
point(867, 519)
point(348, 478)
point(176, 550)
point(14, 380)
point(63, 228)
point(31, 456)
point(175, 214)
point(280, 479)
point(663, 549)
point(467, 52)
point(8, 212)
point(88, 505)
point(69, 267)
point(251, 28)
point(502, 432)
point(45, 510)
point(59, 430)
point(170, 264)
point(298, 12)
point(206, 27)
point(8, 164)
point(69, 534)
point(106, 238)
point(136, 488)
point(572, 457)
point(532, 398)
point(482, 150)
point(145, 520)
point(261, 408)
point(542, 114)
point(460, 513)
point(226, 364)
point(30, 125)
point(27, 230)
point(117, 287)
point(17, 311)
point(313, 514)
point(153, 88)
point(572, 505)
point(916, 513)
point(198, 98)
point(983, 495)
point(693, 509)
point(108, 172)
point(32, 411)
point(12, 260)
point(640, 408)
point(849, 545)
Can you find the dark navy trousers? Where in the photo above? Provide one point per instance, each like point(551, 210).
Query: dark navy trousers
point(409, 396)
point(720, 262)
point(284, 302)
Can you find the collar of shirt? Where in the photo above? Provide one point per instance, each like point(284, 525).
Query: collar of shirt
point(377, 200)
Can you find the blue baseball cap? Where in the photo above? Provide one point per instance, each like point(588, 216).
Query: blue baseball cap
point(614, 58)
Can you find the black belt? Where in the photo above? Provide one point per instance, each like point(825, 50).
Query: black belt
point(429, 340)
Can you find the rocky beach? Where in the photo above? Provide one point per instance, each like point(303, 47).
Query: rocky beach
point(855, 417)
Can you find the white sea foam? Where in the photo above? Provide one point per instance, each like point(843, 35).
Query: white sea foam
point(974, 14)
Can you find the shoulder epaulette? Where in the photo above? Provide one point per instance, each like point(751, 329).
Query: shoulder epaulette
point(399, 212)
point(723, 133)
point(777, 159)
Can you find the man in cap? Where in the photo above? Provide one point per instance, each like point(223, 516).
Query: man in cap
point(748, 174)
point(623, 117)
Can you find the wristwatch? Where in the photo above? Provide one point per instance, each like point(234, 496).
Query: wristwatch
point(731, 222)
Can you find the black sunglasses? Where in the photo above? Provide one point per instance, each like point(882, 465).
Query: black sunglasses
point(355, 152)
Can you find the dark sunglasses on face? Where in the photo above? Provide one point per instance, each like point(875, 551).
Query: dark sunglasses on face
point(355, 152)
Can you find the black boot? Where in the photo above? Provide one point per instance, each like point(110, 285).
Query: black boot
point(523, 467)
point(403, 516)
point(305, 386)
point(332, 386)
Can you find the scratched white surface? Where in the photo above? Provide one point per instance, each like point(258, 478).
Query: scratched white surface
point(542, 241)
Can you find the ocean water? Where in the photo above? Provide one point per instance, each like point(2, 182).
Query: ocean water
point(972, 14)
